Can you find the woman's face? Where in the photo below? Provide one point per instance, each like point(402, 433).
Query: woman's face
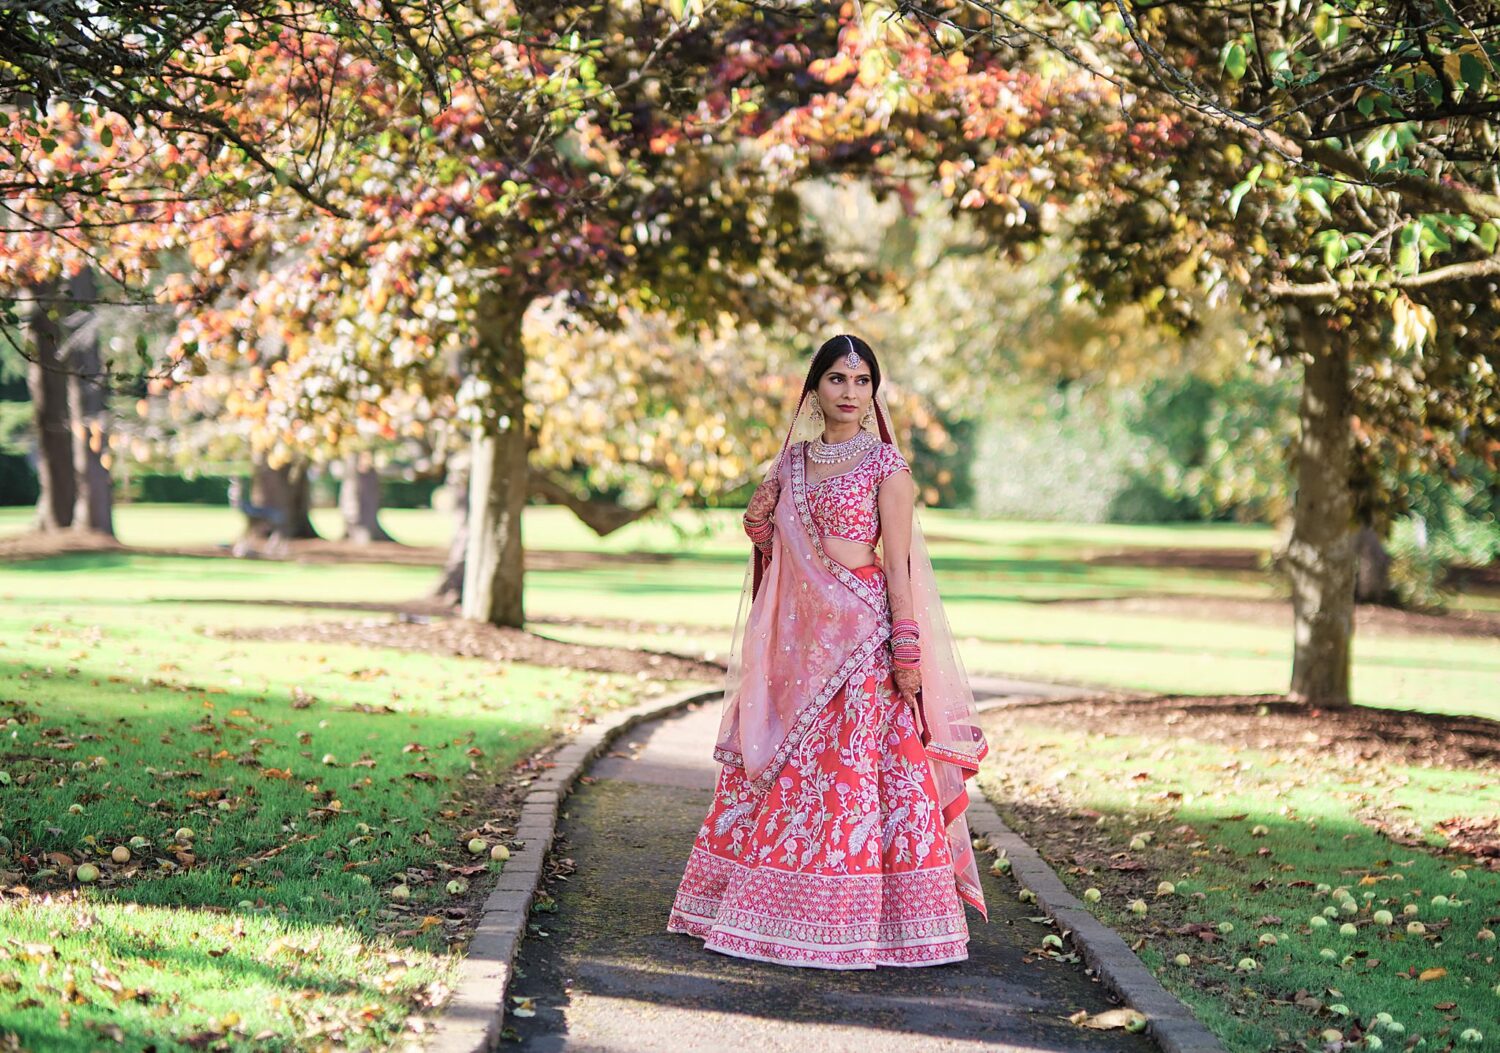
point(844, 393)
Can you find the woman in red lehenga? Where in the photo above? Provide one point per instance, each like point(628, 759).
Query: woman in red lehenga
point(837, 838)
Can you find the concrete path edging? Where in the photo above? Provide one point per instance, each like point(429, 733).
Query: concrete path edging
point(472, 1019)
point(1168, 1020)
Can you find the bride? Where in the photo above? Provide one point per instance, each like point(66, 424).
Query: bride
point(836, 838)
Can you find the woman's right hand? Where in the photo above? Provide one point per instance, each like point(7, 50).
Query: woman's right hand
point(763, 502)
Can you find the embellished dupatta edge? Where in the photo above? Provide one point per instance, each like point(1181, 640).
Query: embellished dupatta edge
point(872, 597)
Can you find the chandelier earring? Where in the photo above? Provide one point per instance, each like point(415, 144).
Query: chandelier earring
point(817, 412)
point(868, 420)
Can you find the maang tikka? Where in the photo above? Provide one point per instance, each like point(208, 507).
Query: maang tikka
point(852, 359)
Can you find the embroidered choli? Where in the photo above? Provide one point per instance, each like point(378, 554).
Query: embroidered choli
point(844, 505)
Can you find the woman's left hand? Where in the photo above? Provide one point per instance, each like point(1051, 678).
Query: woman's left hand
point(909, 682)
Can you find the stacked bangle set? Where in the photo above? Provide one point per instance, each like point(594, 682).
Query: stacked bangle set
point(906, 650)
point(759, 529)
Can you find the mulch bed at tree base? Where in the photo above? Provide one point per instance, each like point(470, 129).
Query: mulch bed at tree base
point(1339, 735)
point(455, 636)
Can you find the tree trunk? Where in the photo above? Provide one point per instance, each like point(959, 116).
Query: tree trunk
point(300, 482)
point(93, 510)
point(1321, 556)
point(1372, 582)
point(450, 588)
point(494, 562)
point(283, 495)
point(48, 384)
point(359, 500)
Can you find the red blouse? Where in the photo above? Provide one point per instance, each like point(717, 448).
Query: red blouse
point(844, 505)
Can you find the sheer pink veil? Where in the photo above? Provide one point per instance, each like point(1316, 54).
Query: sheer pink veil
point(954, 742)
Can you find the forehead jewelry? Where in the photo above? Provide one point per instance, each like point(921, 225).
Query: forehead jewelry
point(852, 359)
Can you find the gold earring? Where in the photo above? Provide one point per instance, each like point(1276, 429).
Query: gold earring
point(817, 412)
point(868, 420)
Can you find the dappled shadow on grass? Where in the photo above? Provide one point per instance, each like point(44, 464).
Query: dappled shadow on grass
point(175, 972)
point(1248, 804)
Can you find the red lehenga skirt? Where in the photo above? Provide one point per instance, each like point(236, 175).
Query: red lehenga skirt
point(843, 863)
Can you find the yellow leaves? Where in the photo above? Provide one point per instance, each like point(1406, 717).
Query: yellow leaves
point(1436, 973)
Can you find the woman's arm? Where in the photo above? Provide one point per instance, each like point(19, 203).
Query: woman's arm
point(897, 500)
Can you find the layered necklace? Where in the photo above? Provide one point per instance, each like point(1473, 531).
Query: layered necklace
point(824, 453)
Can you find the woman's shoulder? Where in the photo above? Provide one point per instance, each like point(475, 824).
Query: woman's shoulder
point(888, 461)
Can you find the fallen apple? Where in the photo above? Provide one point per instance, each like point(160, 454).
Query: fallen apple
point(477, 846)
point(1382, 917)
point(401, 892)
point(1138, 906)
point(87, 872)
point(499, 853)
point(1247, 965)
point(1183, 960)
point(184, 833)
point(1415, 928)
point(1267, 939)
point(120, 854)
point(1165, 888)
point(1471, 1036)
point(457, 887)
point(1226, 926)
point(1348, 929)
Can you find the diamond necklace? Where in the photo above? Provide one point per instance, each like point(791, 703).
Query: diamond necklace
point(822, 452)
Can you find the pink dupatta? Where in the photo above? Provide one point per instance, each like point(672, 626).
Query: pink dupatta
point(810, 623)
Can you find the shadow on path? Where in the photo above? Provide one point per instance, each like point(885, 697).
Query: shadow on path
point(607, 976)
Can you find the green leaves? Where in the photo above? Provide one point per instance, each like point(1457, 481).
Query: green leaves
point(1233, 59)
point(1237, 195)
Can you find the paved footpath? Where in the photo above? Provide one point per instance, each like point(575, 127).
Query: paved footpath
point(608, 978)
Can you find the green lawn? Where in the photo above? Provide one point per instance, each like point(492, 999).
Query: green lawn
point(1260, 840)
point(314, 780)
point(131, 715)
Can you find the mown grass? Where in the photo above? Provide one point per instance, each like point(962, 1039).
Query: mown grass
point(314, 779)
point(1261, 840)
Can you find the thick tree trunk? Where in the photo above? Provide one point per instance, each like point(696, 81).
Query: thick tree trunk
point(450, 588)
point(48, 384)
point(301, 502)
point(283, 494)
point(1372, 582)
point(494, 563)
point(359, 500)
point(93, 510)
point(1321, 556)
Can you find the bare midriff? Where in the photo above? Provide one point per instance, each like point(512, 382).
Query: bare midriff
point(852, 554)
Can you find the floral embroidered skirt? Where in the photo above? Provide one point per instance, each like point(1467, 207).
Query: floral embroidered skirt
point(843, 863)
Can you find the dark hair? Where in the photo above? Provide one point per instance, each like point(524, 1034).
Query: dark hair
point(833, 349)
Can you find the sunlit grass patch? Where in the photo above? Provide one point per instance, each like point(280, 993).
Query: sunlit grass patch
point(1277, 878)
